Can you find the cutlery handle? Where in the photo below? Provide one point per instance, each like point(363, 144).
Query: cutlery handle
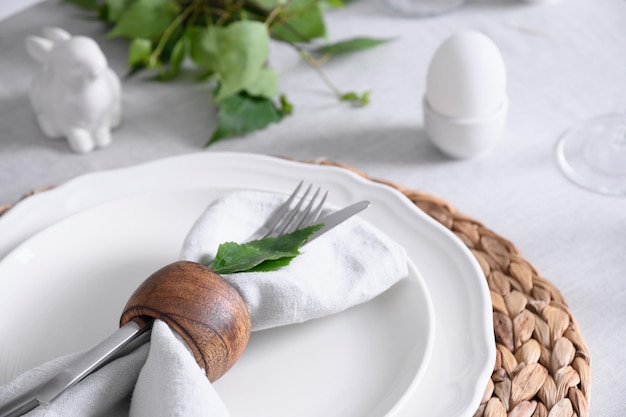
point(199, 305)
point(124, 340)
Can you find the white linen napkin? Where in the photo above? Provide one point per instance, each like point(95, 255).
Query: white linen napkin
point(349, 265)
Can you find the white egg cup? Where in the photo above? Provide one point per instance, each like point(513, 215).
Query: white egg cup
point(462, 138)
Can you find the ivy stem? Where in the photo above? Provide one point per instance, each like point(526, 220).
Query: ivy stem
point(272, 16)
point(314, 64)
point(167, 33)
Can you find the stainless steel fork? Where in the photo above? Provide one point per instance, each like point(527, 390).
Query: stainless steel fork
point(296, 212)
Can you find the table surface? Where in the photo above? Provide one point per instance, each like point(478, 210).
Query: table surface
point(566, 63)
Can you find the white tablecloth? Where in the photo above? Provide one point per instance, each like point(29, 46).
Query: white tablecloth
point(566, 62)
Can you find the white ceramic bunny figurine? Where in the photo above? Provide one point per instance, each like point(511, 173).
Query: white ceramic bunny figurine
point(76, 95)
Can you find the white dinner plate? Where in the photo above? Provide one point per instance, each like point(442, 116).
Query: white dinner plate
point(371, 360)
point(79, 273)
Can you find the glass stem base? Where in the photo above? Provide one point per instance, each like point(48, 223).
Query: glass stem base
point(593, 154)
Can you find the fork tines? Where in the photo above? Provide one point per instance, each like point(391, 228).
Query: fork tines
point(297, 211)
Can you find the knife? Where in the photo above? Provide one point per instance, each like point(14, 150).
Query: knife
point(338, 217)
point(123, 341)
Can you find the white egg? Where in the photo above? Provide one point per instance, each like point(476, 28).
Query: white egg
point(466, 77)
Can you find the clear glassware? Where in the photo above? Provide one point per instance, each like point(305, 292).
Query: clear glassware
point(593, 154)
point(424, 8)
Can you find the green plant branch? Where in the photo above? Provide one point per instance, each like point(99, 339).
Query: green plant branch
point(357, 99)
point(273, 15)
point(168, 41)
point(224, 15)
point(154, 56)
point(313, 64)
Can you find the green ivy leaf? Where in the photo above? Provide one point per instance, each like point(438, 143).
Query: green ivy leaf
point(234, 257)
point(242, 113)
point(265, 84)
point(243, 50)
point(112, 10)
point(145, 19)
point(271, 265)
point(176, 58)
point(355, 98)
point(261, 255)
point(139, 51)
point(203, 46)
point(350, 45)
point(300, 21)
point(286, 108)
point(236, 55)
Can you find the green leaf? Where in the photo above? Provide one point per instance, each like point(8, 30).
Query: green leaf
point(300, 21)
point(175, 59)
point(236, 55)
point(264, 85)
point(139, 51)
point(286, 108)
point(145, 19)
point(287, 243)
point(243, 49)
point(271, 265)
point(356, 99)
point(203, 46)
point(351, 45)
point(112, 10)
point(261, 255)
point(171, 55)
point(234, 257)
point(241, 113)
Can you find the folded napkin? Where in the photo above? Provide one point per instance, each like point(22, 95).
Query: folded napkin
point(349, 265)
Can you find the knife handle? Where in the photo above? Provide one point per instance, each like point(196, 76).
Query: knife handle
point(199, 305)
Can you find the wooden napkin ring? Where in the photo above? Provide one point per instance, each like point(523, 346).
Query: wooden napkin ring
point(199, 305)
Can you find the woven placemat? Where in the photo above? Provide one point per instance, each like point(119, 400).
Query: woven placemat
point(542, 366)
point(542, 363)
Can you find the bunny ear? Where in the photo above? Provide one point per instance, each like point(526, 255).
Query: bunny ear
point(56, 34)
point(38, 47)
